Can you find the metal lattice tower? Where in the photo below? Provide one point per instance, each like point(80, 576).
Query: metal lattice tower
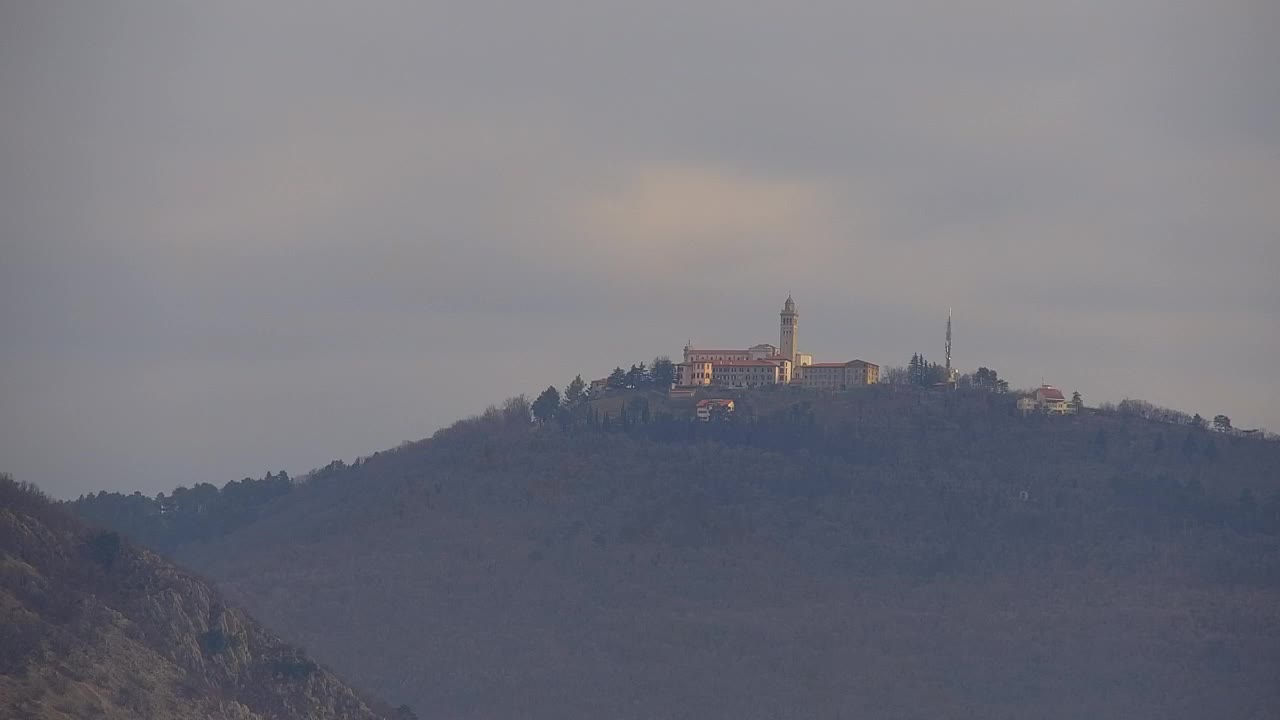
point(948, 344)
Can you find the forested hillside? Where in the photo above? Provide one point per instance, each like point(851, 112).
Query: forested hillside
point(195, 514)
point(92, 627)
point(875, 553)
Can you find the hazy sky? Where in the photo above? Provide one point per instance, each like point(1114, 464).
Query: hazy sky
point(248, 236)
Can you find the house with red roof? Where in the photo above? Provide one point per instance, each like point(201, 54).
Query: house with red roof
point(713, 406)
point(1046, 399)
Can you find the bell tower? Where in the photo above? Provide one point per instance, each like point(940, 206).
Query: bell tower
point(789, 325)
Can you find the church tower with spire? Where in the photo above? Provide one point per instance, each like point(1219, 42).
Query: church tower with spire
point(789, 325)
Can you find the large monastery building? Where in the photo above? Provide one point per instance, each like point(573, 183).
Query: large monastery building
point(766, 364)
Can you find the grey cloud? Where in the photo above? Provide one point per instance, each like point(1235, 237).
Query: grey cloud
point(237, 237)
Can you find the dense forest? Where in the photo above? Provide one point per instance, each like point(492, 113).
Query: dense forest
point(94, 627)
point(201, 512)
point(870, 427)
point(884, 552)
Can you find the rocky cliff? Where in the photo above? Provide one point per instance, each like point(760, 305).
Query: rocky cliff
point(94, 627)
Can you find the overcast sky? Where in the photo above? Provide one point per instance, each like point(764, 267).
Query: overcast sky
point(244, 236)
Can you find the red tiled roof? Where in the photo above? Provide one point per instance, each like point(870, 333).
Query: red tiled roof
point(827, 365)
point(1049, 393)
point(716, 352)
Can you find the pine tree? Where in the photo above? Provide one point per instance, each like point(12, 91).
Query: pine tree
point(663, 371)
point(617, 379)
point(575, 392)
point(985, 378)
point(545, 407)
point(934, 374)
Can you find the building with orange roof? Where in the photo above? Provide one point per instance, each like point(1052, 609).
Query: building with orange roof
point(705, 409)
point(1045, 399)
point(765, 364)
point(1050, 399)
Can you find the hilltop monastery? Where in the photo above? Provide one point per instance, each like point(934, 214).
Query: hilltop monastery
point(766, 364)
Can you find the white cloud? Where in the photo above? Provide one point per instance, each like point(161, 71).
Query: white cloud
point(715, 227)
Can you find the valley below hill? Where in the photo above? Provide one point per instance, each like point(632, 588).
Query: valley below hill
point(869, 554)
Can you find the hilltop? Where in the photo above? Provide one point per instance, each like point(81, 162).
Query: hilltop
point(94, 627)
point(871, 553)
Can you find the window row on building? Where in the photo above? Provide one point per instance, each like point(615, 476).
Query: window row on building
point(776, 371)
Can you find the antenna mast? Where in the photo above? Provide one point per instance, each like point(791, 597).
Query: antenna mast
point(948, 344)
